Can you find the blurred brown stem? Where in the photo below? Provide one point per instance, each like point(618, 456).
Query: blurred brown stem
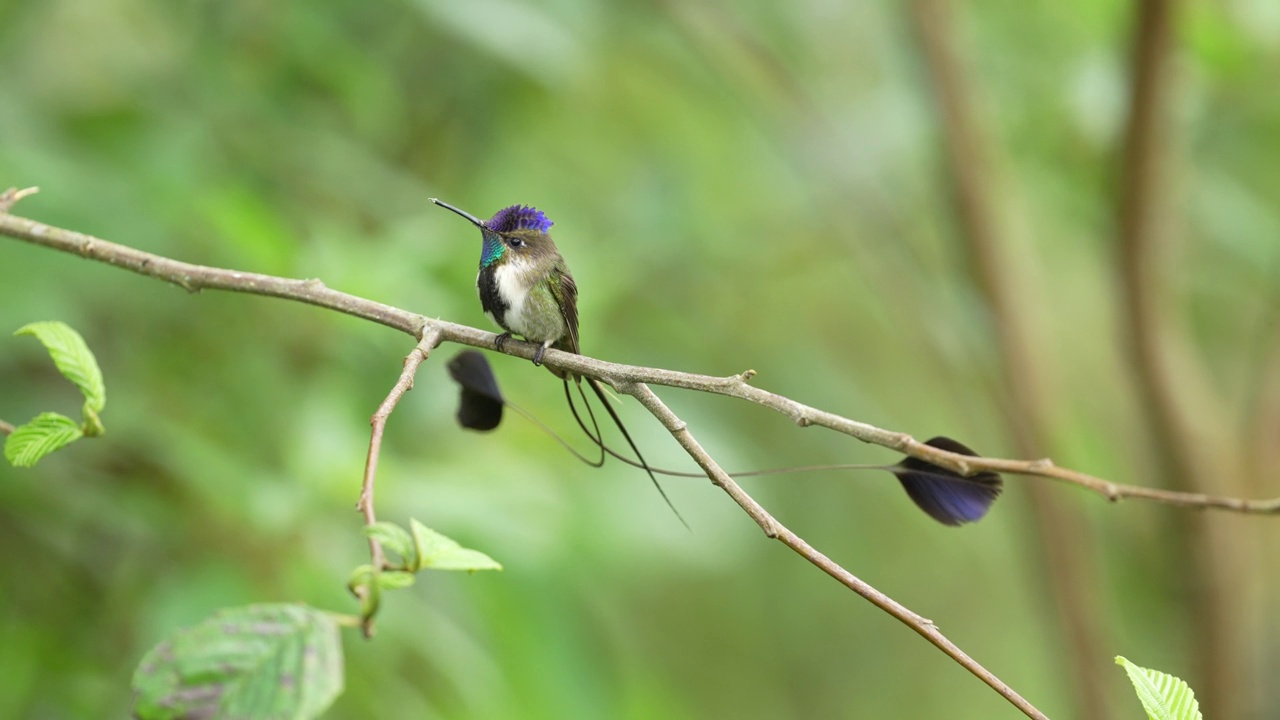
point(1262, 416)
point(5, 427)
point(1060, 534)
point(1157, 354)
point(1143, 243)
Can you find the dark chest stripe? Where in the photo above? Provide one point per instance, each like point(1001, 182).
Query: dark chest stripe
point(490, 300)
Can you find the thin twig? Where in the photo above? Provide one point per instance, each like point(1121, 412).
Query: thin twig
point(10, 197)
point(194, 278)
point(5, 427)
point(776, 530)
point(631, 378)
point(314, 292)
point(379, 422)
point(429, 341)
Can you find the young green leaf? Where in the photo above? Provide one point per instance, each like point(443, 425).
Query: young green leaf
point(362, 575)
point(256, 661)
point(44, 434)
point(1163, 696)
point(74, 360)
point(438, 552)
point(393, 538)
point(363, 585)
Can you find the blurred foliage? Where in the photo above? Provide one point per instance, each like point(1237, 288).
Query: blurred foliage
point(734, 185)
point(255, 661)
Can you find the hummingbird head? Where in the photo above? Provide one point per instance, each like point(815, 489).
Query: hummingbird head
point(517, 232)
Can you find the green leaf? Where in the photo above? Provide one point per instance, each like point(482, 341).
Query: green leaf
point(258, 661)
point(362, 575)
point(393, 538)
point(1163, 696)
point(394, 579)
point(362, 584)
point(74, 360)
point(39, 437)
point(438, 552)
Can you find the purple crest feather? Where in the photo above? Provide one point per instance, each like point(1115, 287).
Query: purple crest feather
point(518, 217)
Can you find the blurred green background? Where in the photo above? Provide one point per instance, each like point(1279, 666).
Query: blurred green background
point(735, 185)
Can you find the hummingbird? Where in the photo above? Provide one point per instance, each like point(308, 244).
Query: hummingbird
point(526, 289)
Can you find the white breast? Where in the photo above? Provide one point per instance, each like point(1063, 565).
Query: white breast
point(511, 290)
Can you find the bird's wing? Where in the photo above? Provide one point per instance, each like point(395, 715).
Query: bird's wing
point(565, 291)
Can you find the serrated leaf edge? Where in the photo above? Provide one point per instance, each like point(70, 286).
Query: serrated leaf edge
point(1163, 696)
point(23, 448)
point(73, 358)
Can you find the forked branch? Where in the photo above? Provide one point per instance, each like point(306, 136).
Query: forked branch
point(195, 278)
point(629, 379)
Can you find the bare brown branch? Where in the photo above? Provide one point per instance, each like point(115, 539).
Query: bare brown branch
point(430, 339)
point(5, 427)
point(626, 378)
point(776, 530)
point(313, 292)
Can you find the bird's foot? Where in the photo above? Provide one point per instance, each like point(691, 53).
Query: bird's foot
point(502, 340)
point(537, 354)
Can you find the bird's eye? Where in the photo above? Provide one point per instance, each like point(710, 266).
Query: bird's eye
point(515, 242)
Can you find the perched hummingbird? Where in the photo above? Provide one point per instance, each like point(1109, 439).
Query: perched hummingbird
point(526, 289)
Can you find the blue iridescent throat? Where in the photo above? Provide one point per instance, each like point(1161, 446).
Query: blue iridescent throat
point(492, 250)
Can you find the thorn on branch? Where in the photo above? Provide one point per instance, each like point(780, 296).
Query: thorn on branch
point(10, 197)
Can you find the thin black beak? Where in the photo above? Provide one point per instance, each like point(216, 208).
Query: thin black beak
point(474, 220)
